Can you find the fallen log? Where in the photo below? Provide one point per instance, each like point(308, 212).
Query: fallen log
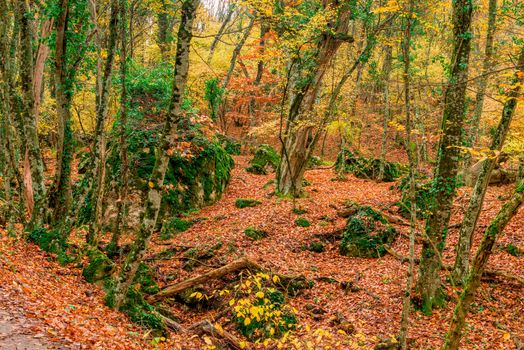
point(206, 327)
point(488, 274)
point(171, 290)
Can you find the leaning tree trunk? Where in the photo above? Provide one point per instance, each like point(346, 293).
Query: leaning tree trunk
point(296, 142)
point(236, 52)
point(469, 222)
point(218, 36)
point(479, 264)
point(445, 177)
point(483, 82)
point(167, 140)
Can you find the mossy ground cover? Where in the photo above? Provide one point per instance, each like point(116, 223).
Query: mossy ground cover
point(366, 233)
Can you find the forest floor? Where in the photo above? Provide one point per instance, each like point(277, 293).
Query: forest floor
point(54, 304)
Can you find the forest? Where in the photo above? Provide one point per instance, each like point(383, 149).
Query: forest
point(261, 174)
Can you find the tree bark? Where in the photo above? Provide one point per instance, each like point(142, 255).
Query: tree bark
point(156, 181)
point(483, 82)
point(236, 52)
point(491, 234)
point(445, 177)
point(123, 187)
point(29, 119)
point(98, 153)
point(220, 32)
point(386, 72)
point(472, 214)
point(412, 156)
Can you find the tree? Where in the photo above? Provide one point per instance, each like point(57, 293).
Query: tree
point(472, 214)
point(162, 152)
point(445, 176)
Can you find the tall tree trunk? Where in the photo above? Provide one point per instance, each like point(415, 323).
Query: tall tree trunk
point(167, 140)
point(489, 239)
point(411, 151)
point(165, 28)
point(482, 83)
point(123, 186)
point(98, 153)
point(386, 72)
point(32, 145)
point(471, 216)
point(445, 177)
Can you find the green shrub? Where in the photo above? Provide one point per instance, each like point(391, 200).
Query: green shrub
point(246, 202)
point(302, 222)
point(265, 160)
point(255, 234)
point(366, 233)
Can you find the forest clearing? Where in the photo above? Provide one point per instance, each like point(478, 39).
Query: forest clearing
point(261, 174)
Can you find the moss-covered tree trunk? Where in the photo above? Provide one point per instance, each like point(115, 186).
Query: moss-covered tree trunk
point(98, 154)
point(445, 176)
point(471, 216)
point(386, 72)
point(30, 133)
point(61, 196)
point(169, 136)
point(411, 150)
point(489, 239)
point(297, 140)
point(483, 82)
point(123, 186)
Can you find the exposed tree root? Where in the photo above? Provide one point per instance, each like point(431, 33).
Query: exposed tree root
point(206, 327)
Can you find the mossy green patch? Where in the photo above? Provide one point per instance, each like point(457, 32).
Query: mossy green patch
point(316, 247)
point(302, 222)
point(99, 267)
point(51, 241)
point(366, 233)
point(254, 233)
point(173, 226)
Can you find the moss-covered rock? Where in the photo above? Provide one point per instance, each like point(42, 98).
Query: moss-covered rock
point(366, 233)
point(254, 233)
point(265, 160)
point(246, 202)
point(99, 267)
point(366, 168)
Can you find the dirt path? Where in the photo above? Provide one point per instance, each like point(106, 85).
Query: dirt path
point(18, 332)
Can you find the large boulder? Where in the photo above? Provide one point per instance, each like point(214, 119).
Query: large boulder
point(366, 168)
point(265, 160)
point(366, 233)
